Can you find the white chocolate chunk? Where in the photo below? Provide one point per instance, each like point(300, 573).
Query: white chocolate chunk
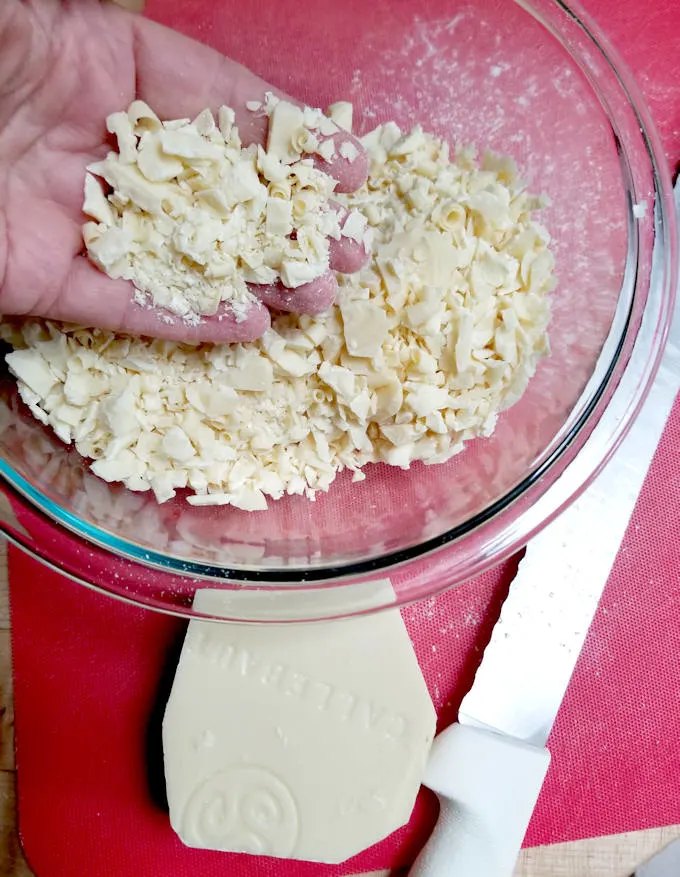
point(205, 123)
point(292, 363)
point(294, 274)
point(284, 121)
point(226, 118)
point(249, 499)
point(123, 466)
point(354, 226)
point(129, 183)
point(327, 127)
point(408, 144)
point(349, 151)
point(326, 150)
point(334, 727)
point(110, 250)
point(155, 164)
point(120, 126)
point(365, 327)
point(340, 379)
point(271, 168)
point(142, 117)
point(254, 376)
point(244, 183)
point(209, 499)
point(188, 143)
point(341, 113)
point(30, 368)
point(96, 204)
point(279, 217)
point(177, 446)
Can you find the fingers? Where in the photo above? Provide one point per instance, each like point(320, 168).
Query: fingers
point(350, 175)
point(346, 255)
point(90, 298)
point(223, 328)
point(310, 298)
point(179, 77)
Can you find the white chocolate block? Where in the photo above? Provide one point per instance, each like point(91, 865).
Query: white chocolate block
point(303, 741)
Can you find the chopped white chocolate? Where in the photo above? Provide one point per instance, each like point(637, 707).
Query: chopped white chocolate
point(295, 273)
point(326, 150)
point(33, 371)
point(205, 123)
point(96, 203)
point(142, 117)
point(349, 151)
point(279, 217)
point(341, 113)
point(327, 127)
point(226, 118)
point(193, 217)
point(154, 163)
point(426, 344)
point(285, 120)
point(354, 226)
point(365, 327)
point(120, 125)
point(187, 143)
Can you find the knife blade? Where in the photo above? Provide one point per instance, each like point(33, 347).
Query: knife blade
point(488, 768)
point(665, 863)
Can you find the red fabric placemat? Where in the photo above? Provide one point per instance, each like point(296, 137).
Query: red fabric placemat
point(91, 678)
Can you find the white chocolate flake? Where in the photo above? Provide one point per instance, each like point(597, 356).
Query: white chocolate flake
point(341, 113)
point(326, 149)
point(349, 151)
point(354, 226)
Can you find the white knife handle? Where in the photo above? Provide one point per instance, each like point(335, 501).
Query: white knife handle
point(488, 786)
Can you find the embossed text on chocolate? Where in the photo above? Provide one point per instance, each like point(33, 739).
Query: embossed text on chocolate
point(325, 697)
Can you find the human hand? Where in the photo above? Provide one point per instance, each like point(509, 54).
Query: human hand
point(64, 67)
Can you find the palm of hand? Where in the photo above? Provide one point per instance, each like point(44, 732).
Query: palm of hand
point(81, 67)
point(66, 68)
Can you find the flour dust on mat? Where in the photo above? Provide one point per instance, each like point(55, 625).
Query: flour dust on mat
point(425, 346)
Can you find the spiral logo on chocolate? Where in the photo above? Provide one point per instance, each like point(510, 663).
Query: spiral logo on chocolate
point(245, 809)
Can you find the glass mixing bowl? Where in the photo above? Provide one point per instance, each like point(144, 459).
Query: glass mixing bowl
point(534, 80)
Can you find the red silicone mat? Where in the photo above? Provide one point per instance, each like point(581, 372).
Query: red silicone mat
point(91, 674)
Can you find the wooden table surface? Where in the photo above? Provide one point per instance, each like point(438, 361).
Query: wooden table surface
point(616, 856)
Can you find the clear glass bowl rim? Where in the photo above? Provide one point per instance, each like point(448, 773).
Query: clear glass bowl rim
point(637, 362)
